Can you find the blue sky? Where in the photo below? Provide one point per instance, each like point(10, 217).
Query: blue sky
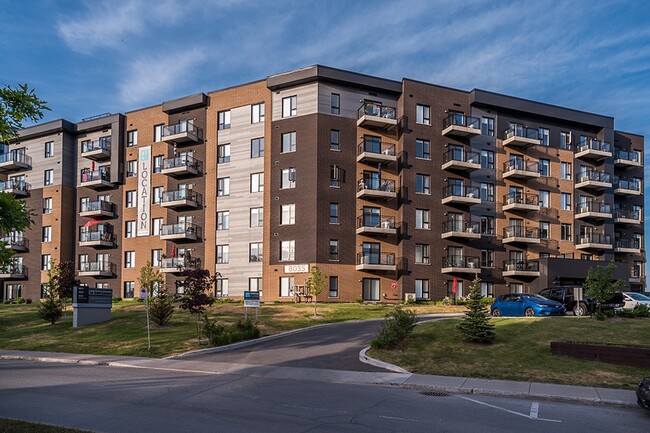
point(91, 57)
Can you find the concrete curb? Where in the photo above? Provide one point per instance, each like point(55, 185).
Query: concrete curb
point(381, 364)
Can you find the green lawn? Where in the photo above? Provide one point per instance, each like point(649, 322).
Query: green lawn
point(13, 426)
point(522, 351)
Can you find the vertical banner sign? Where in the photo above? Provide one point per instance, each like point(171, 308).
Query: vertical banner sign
point(144, 191)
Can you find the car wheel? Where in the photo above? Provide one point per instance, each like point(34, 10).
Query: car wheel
point(580, 309)
point(529, 312)
point(496, 313)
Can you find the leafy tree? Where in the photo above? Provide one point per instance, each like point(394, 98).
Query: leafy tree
point(150, 279)
point(62, 280)
point(14, 216)
point(315, 285)
point(600, 285)
point(196, 285)
point(476, 326)
point(161, 307)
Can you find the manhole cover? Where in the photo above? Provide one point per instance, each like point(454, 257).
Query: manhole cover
point(435, 393)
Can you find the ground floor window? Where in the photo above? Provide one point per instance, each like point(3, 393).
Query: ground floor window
point(421, 289)
point(458, 293)
point(334, 287)
point(487, 289)
point(286, 286)
point(255, 284)
point(371, 289)
point(516, 288)
point(221, 288)
point(45, 291)
point(129, 289)
point(13, 291)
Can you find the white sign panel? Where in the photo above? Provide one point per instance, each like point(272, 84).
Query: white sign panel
point(296, 269)
point(253, 303)
point(144, 191)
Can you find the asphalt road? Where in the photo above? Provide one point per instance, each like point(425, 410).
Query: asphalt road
point(135, 400)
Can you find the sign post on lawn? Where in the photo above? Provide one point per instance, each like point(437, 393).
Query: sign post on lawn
point(252, 300)
point(144, 295)
point(91, 305)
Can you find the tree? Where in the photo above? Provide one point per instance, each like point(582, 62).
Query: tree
point(600, 284)
point(51, 309)
point(150, 278)
point(476, 326)
point(315, 285)
point(161, 307)
point(62, 280)
point(14, 216)
point(196, 285)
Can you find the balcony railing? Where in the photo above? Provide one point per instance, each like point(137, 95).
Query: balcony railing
point(15, 161)
point(593, 206)
point(102, 267)
point(595, 175)
point(378, 222)
point(383, 187)
point(594, 239)
point(101, 236)
point(185, 229)
point(17, 187)
point(463, 262)
point(521, 136)
point(178, 264)
point(377, 116)
point(628, 244)
point(628, 185)
point(461, 125)
point(88, 175)
point(461, 160)
point(521, 199)
point(593, 144)
point(382, 259)
point(461, 229)
point(521, 168)
point(626, 157)
point(182, 195)
point(461, 194)
point(16, 243)
point(185, 163)
point(102, 144)
point(627, 215)
point(182, 132)
point(100, 206)
point(13, 270)
point(515, 267)
point(521, 234)
point(375, 150)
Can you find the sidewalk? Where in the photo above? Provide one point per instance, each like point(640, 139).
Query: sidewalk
point(396, 377)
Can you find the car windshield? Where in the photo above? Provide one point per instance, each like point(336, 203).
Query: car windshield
point(637, 296)
point(535, 297)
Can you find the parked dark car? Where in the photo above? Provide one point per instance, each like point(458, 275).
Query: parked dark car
point(525, 304)
point(643, 393)
point(565, 296)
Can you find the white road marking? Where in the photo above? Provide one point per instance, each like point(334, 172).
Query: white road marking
point(534, 410)
point(508, 410)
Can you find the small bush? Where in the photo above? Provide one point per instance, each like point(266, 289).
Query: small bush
point(50, 310)
point(20, 300)
point(641, 311)
point(220, 335)
point(599, 315)
point(161, 308)
point(116, 299)
point(395, 329)
point(7, 301)
point(628, 314)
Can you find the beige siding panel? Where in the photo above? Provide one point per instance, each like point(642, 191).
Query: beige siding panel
point(351, 99)
point(307, 100)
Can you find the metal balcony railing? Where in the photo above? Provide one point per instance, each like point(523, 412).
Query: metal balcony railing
point(15, 241)
point(103, 143)
point(15, 185)
point(521, 265)
point(632, 156)
point(375, 146)
point(471, 262)
point(628, 243)
point(594, 238)
point(387, 259)
point(461, 191)
point(376, 222)
point(459, 119)
point(180, 228)
point(179, 128)
point(376, 185)
point(376, 110)
point(99, 266)
point(88, 175)
point(632, 185)
point(181, 161)
point(17, 157)
point(593, 206)
point(521, 232)
point(461, 226)
point(593, 144)
point(595, 175)
point(522, 165)
point(461, 156)
point(104, 232)
point(627, 214)
point(522, 131)
point(96, 206)
point(182, 194)
point(520, 198)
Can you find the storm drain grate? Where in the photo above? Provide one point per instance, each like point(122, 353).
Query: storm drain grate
point(435, 393)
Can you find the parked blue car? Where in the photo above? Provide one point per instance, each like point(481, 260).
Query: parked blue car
point(525, 304)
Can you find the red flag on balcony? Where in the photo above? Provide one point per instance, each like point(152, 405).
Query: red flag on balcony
point(173, 250)
point(92, 166)
point(91, 223)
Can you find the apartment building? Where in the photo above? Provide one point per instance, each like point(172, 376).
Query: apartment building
point(392, 188)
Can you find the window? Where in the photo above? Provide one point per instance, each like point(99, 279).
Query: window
point(487, 159)
point(129, 259)
point(286, 286)
point(334, 213)
point(487, 258)
point(565, 170)
point(422, 114)
point(47, 205)
point(544, 199)
point(257, 147)
point(45, 291)
point(422, 254)
point(223, 220)
point(565, 203)
point(334, 250)
point(289, 106)
point(458, 289)
point(255, 252)
point(565, 140)
point(487, 225)
point(544, 230)
point(158, 163)
point(46, 262)
point(422, 149)
point(224, 120)
point(288, 214)
point(257, 217)
point(422, 219)
point(565, 232)
point(487, 126)
point(335, 103)
point(223, 186)
point(129, 229)
point(334, 139)
point(223, 153)
point(371, 288)
point(257, 113)
point(257, 182)
point(287, 250)
point(157, 132)
point(129, 289)
point(221, 288)
point(49, 149)
point(132, 168)
point(422, 289)
point(337, 175)
point(156, 257)
point(422, 184)
point(47, 234)
point(255, 284)
point(223, 253)
point(156, 226)
point(487, 191)
point(289, 142)
point(487, 289)
point(48, 177)
point(288, 179)
point(130, 199)
point(334, 287)
point(132, 138)
point(544, 167)
point(157, 194)
point(544, 136)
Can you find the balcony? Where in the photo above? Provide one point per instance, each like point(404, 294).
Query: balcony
point(459, 125)
point(636, 275)
point(16, 243)
point(181, 198)
point(97, 150)
point(627, 187)
point(630, 246)
point(371, 115)
point(594, 241)
point(460, 265)
point(624, 158)
point(627, 216)
point(593, 179)
point(520, 169)
point(371, 225)
point(180, 232)
point(461, 229)
point(371, 189)
point(376, 262)
point(375, 151)
point(520, 268)
point(521, 235)
point(18, 188)
point(182, 133)
point(461, 194)
point(13, 271)
point(15, 161)
point(178, 265)
point(102, 236)
point(593, 149)
point(181, 166)
point(520, 202)
point(96, 179)
point(518, 136)
point(593, 210)
point(97, 209)
point(101, 268)
point(455, 159)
